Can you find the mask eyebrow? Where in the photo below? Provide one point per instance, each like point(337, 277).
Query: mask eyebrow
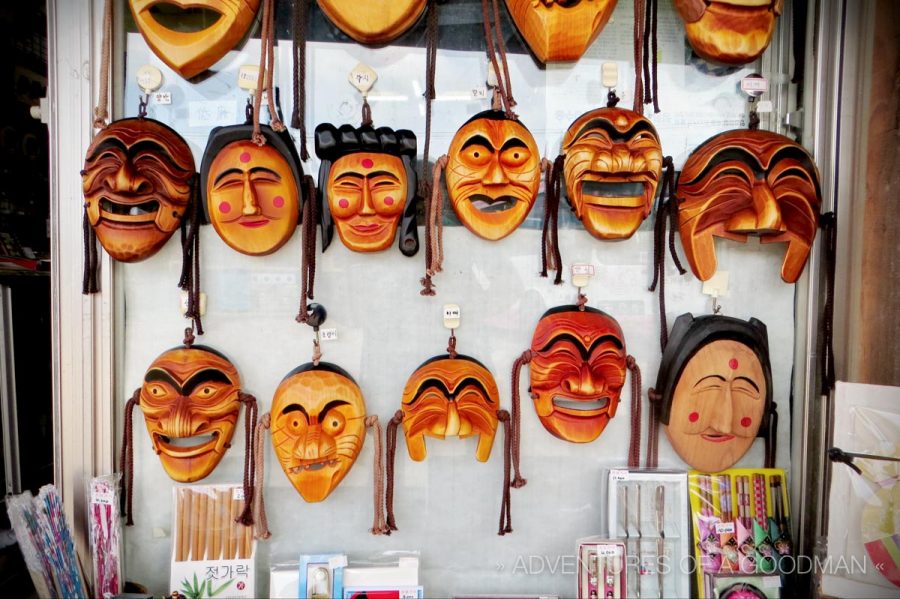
point(584, 351)
point(478, 140)
point(515, 142)
point(295, 407)
point(267, 171)
point(748, 381)
point(155, 375)
point(109, 144)
point(382, 174)
point(614, 134)
point(229, 172)
point(335, 403)
point(209, 375)
point(711, 376)
point(472, 382)
point(351, 174)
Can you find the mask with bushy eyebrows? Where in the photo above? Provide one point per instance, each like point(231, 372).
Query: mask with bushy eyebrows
point(560, 30)
point(729, 31)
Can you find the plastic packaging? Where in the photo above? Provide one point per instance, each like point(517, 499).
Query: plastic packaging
point(105, 535)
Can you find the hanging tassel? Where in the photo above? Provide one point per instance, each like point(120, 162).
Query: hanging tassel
point(666, 215)
point(246, 517)
point(431, 45)
point(379, 524)
point(493, 38)
point(638, 39)
point(190, 265)
point(266, 74)
point(434, 254)
point(516, 417)
point(772, 437)
point(308, 249)
point(298, 117)
point(551, 259)
point(653, 429)
point(505, 505)
point(101, 112)
point(89, 283)
point(261, 522)
point(390, 455)
point(634, 446)
point(828, 223)
point(126, 457)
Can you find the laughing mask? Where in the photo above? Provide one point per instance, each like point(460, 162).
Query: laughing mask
point(612, 169)
point(560, 30)
point(367, 185)
point(373, 21)
point(190, 403)
point(493, 174)
point(729, 31)
point(251, 193)
point(745, 182)
point(191, 52)
point(318, 427)
point(137, 183)
point(715, 385)
point(577, 371)
point(450, 397)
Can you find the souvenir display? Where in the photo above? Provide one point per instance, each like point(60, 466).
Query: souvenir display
point(602, 569)
point(105, 535)
point(560, 30)
point(189, 52)
point(713, 393)
point(729, 31)
point(373, 22)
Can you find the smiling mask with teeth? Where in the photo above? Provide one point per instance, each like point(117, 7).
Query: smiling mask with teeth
point(137, 184)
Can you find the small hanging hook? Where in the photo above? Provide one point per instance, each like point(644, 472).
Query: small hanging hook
point(143, 100)
point(716, 307)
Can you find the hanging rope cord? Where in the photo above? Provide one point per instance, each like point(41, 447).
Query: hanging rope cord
point(190, 264)
point(298, 115)
point(666, 215)
point(493, 37)
point(266, 74)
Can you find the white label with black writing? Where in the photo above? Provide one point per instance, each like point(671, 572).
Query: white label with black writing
point(618, 475)
point(238, 493)
point(479, 93)
point(103, 497)
point(328, 334)
point(754, 85)
point(451, 316)
point(724, 528)
point(162, 98)
point(608, 550)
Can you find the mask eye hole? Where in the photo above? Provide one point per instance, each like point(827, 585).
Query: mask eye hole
point(476, 155)
point(515, 157)
point(156, 390)
point(334, 423)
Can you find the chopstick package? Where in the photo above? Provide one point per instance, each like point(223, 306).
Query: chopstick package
point(106, 535)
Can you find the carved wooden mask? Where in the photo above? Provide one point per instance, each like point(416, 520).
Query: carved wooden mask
point(373, 21)
point(729, 31)
point(744, 182)
point(493, 174)
point(450, 397)
point(612, 169)
point(190, 403)
point(560, 30)
point(367, 185)
point(318, 427)
point(251, 193)
point(137, 183)
point(191, 52)
point(715, 381)
point(577, 371)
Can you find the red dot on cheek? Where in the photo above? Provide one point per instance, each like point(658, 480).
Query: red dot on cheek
point(733, 363)
point(693, 416)
point(367, 163)
point(389, 200)
point(224, 207)
point(278, 201)
point(746, 421)
point(245, 157)
point(343, 203)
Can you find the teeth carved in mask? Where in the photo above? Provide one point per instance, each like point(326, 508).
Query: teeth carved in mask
point(318, 427)
point(612, 170)
point(577, 371)
point(191, 52)
point(729, 31)
point(560, 30)
point(137, 183)
point(493, 174)
point(190, 403)
point(373, 21)
point(450, 397)
point(745, 182)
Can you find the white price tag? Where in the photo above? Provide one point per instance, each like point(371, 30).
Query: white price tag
point(162, 98)
point(618, 475)
point(724, 528)
point(754, 85)
point(609, 74)
point(582, 273)
point(608, 550)
point(362, 77)
point(103, 497)
point(149, 78)
point(184, 303)
point(717, 286)
point(248, 77)
point(492, 80)
point(328, 334)
point(451, 316)
point(238, 493)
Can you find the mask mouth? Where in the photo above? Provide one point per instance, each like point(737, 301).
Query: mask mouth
point(314, 465)
point(490, 205)
point(714, 436)
point(185, 447)
point(581, 407)
point(614, 194)
point(182, 19)
point(129, 214)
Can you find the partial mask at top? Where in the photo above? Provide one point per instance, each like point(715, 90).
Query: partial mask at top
point(560, 30)
point(373, 21)
point(190, 52)
point(729, 31)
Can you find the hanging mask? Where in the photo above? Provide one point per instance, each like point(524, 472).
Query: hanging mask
point(715, 390)
point(137, 181)
point(367, 185)
point(748, 182)
point(560, 30)
point(493, 174)
point(613, 162)
point(191, 52)
point(729, 31)
point(373, 22)
point(318, 427)
point(251, 193)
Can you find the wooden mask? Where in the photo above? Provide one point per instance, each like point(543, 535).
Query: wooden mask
point(449, 397)
point(251, 193)
point(577, 371)
point(613, 163)
point(318, 427)
point(373, 22)
point(367, 185)
point(729, 31)
point(493, 174)
point(137, 181)
point(748, 182)
point(715, 388)
point(190, 401)
point(560, 30)
point(191, 52)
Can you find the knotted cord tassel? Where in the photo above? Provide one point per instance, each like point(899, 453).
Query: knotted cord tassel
point(653, 429)
point(390, 454)
point(246, 517)
point(505, 505)
point(634, 447)
point(516, 417)
point(89, 283)
point(434, 255)
point(126, 457)
point(261, 522)
point(379, 524)
point(308, 249)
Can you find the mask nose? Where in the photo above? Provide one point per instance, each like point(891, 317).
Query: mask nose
point(180, 422)
point(722, 413)
point(768, 214)
point(367, 208)
point(317, 444)
point(251, 202)
point(125, 179)
point(582, 383)
point(452, 428)
point(495, 174)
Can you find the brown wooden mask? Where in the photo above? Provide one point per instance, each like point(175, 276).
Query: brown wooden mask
point(729, 31)
point(137, 183)
point(373, 21)
point(367, 185)
point(450, 397)
point(560, 30)
point(251, 193)
point(613, 162)
point(715, 385)
point(493, 174)
point(191, 52)
point(577, 371)
point(190, 403)
point(318, 427)
point(747, 182)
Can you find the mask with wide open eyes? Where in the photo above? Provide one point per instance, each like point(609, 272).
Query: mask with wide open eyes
point(729, 31)
point(191, 52)
point(748, 182)
point(251, 194)
point(373, 21)
point(493, 174)
point(137, 182)
point(560, 30)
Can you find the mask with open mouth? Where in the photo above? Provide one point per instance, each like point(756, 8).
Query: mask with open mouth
point(191, 52)
point(560, 30)
point(318, 427)
point(613, 163)
point(373, 21)
point(493, 174)
point(729, 31)
point(137, 184)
